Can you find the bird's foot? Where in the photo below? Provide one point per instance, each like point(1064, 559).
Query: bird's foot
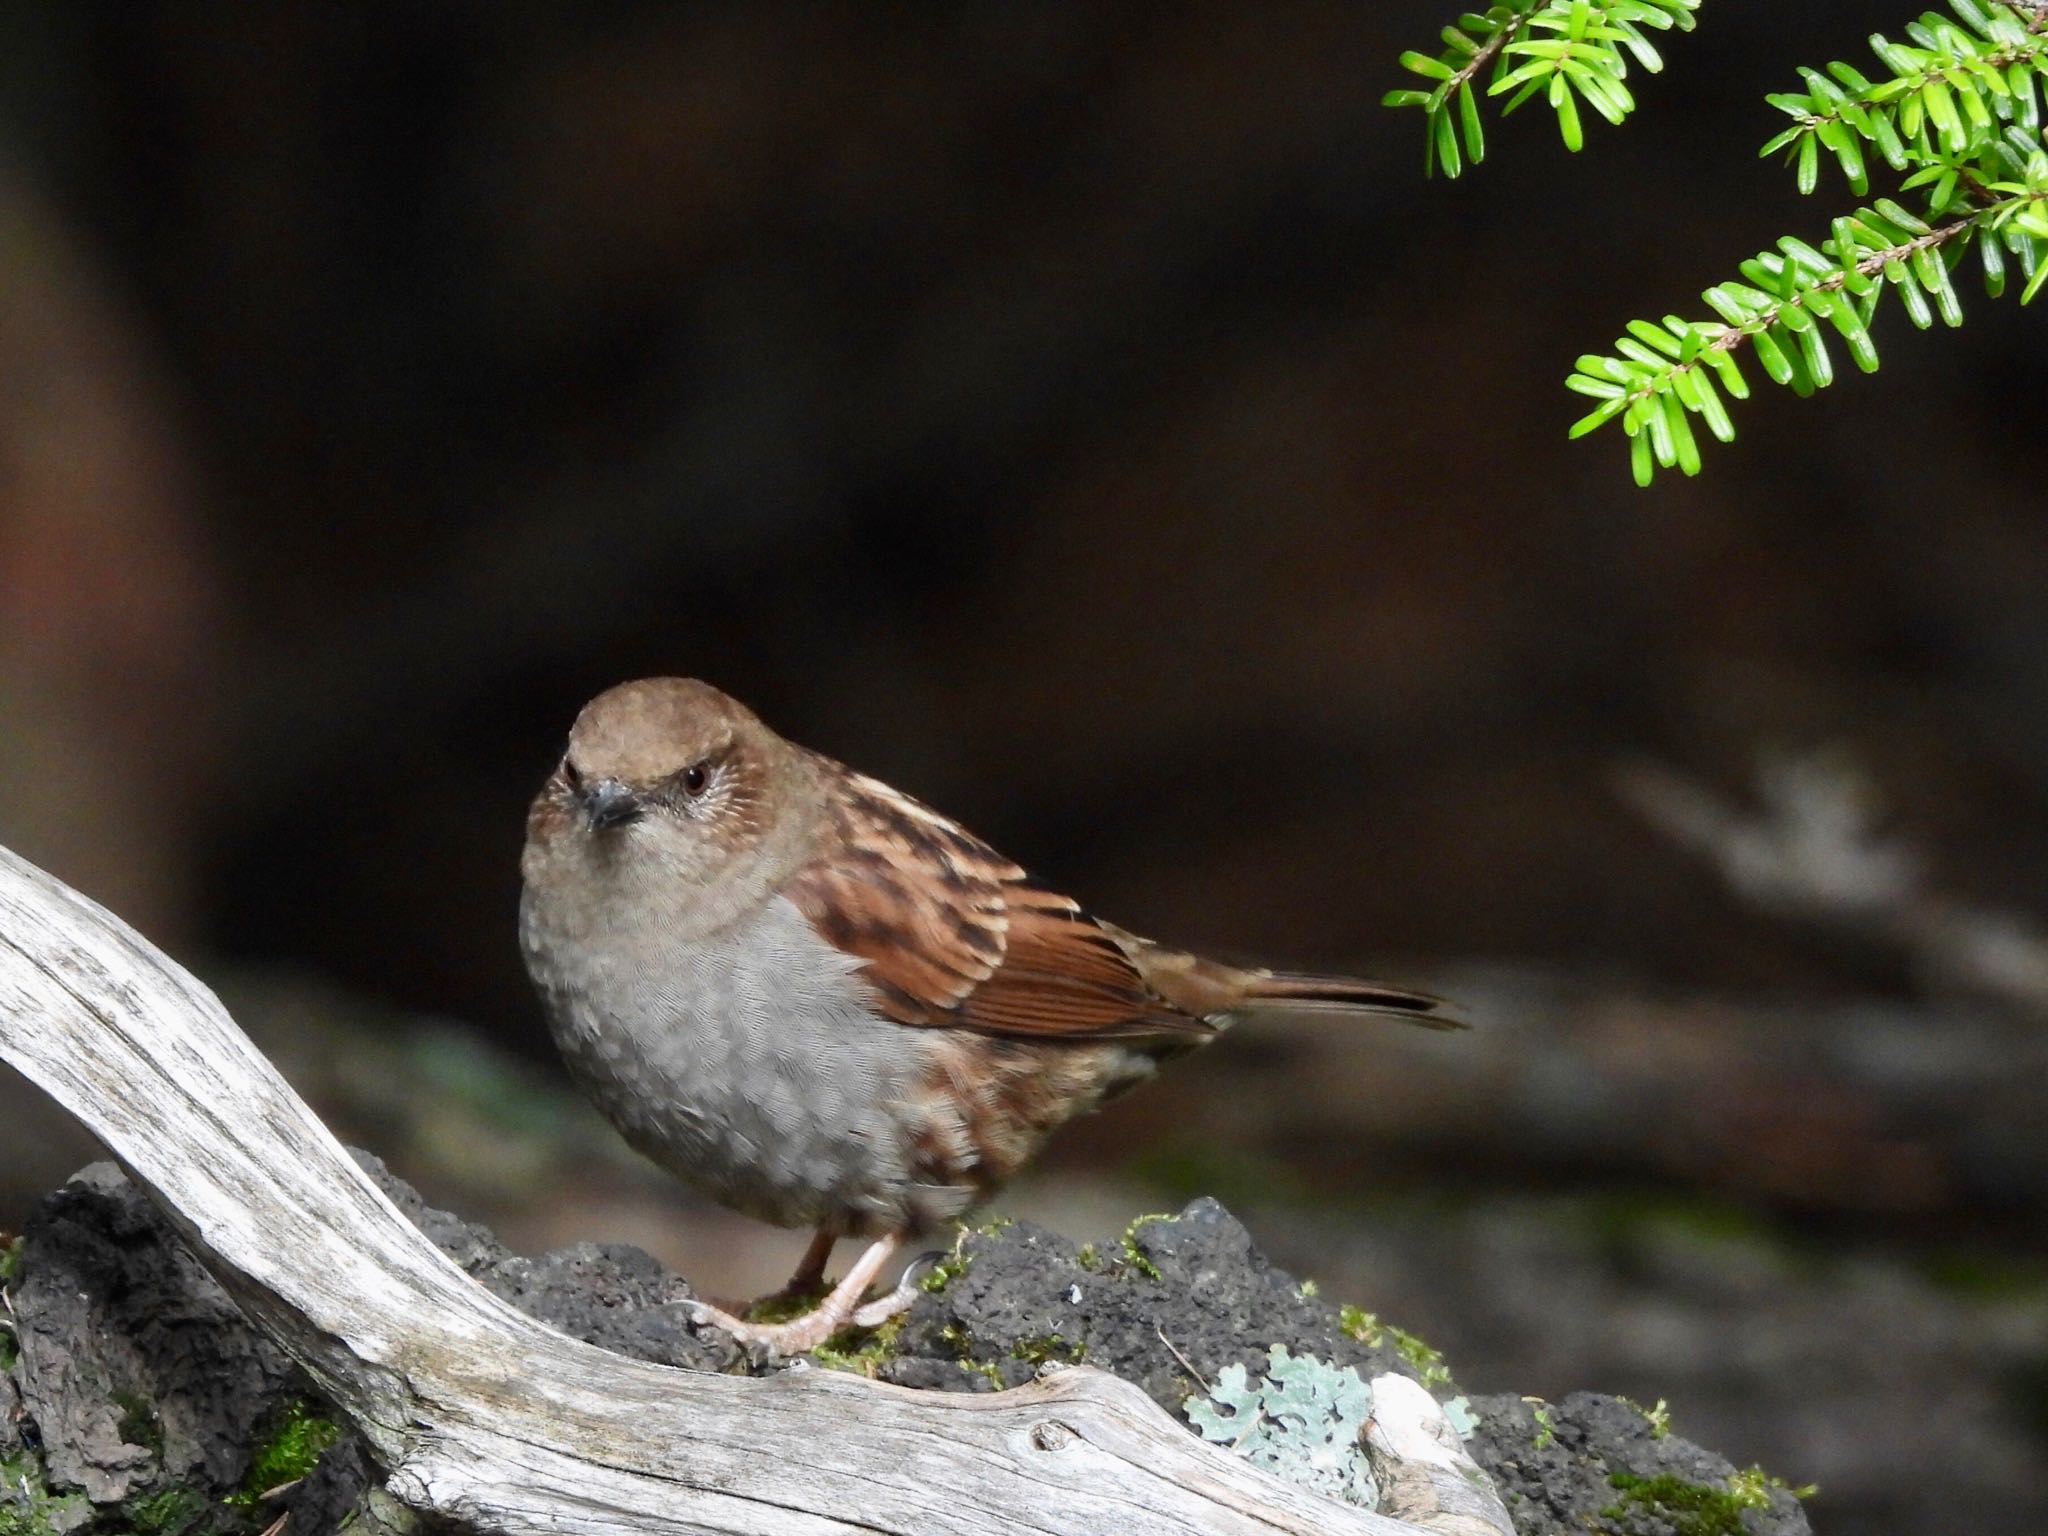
point(840, 1307)
point(802, 1334)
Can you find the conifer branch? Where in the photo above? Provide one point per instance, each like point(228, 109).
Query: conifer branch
point(1572, 50)
point(1960, 116)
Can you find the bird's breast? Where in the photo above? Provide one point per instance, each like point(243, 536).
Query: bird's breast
point(749, 1061)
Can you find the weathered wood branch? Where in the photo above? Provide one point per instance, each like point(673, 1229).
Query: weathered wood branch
point(483, 1415)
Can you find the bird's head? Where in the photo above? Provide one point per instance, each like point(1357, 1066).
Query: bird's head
point(665, 780)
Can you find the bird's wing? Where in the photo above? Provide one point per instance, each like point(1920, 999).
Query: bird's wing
point(953, 934)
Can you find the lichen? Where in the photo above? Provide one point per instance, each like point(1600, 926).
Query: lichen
point(1371, 1332)
point(1459, 1415)
point(1133, 1254)
point(288, 1455)
point(1301, 1421)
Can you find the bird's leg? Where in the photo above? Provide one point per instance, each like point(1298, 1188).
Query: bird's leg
point(806, 1285)
point(840, 1307)
point(810, 1273)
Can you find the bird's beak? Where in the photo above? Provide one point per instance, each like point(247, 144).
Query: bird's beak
point(608, 803)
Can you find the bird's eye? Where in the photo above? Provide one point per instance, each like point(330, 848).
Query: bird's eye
point(570, 776)
point(695, 777)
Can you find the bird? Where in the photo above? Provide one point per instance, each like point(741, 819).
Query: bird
point(825, 1004)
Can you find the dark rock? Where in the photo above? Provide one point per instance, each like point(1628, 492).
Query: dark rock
point(1186, 1296)
point(1189, 1296)
point(334, 1489)
point(608, 1294)
point(149, 1395)
point(135, 1370)
point(1598, 1463)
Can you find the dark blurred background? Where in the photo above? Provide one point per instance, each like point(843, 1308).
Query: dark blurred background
point(1089, 419)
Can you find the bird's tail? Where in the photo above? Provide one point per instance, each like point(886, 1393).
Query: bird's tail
point(1213, 991)
point(1299, 992)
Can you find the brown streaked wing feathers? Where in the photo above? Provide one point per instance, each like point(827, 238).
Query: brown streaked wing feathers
point(956, 935)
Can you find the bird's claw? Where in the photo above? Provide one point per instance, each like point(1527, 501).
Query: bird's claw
point(800, 1335)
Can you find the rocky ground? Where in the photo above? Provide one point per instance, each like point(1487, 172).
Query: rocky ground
point(137, 1400)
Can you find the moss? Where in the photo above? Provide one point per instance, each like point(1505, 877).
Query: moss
point(781, 1306)
point(1371, 1332)
point(1133, 1255)
point(1660, 1420)
point(168, 1512)
point(862, 1358)
point(288, 1455)
point(1689, 1509)
point(28, 1508)
point(988, 1370)
point(1546, 1431)
point(1049, 1346)
point(1310, 1290)
point(1756, 1483)
point(1088, 1258)
point(961, 1343)
point(949, 1268)
point(10, 1257)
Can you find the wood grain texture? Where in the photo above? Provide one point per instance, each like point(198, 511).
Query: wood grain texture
point(483, 1415)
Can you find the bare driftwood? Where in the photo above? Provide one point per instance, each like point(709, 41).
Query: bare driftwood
point(480, 1414)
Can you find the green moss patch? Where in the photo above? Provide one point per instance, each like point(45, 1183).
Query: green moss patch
point(288, 1455)
point(28, 1508)
point(859, 1351)
point(1050, 1346)
point(1690, 1509)
point(1133, 1254)
point(949, 1268)
point(169, 1512)
point(1365, 1327)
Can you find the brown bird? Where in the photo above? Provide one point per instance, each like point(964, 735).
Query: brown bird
point(825, 1004)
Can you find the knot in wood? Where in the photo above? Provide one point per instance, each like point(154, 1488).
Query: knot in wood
point(1052, 1435)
